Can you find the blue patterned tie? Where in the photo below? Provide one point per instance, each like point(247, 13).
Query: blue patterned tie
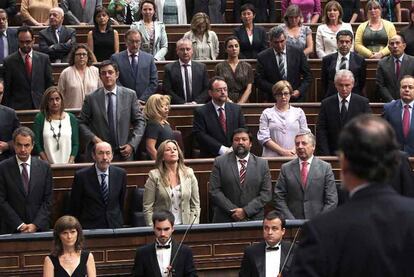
point(104, 188)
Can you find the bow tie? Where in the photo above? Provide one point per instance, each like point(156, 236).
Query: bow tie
point(270, 248)
point(166, 246)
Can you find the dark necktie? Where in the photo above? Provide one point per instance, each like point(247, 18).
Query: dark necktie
point(270, 248)
point(342, 65)
point(25, 177)
point(187, 84)
point(222, 119)
point(406, 121)
point(397, 68)
point(160, 246)
point(104, 188)
point(134, 64)
point(282, 66)
point(111, 121)
point(343, 111)
point(1, 47)
point(242, 171)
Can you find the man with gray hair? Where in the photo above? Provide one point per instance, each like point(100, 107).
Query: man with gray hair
point(282, 62)
point(336, 111)
point(306, 185)
point(186, 81)
point(57, 40)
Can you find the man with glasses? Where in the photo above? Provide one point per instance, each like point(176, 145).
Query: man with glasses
point(137, 70)
point(215, 121)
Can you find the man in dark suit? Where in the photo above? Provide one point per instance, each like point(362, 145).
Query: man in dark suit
point(399, 114)
point(184, 75)
point(77, 13)
point(392, 68)
point(112, 114)
point(8, 37)
point(27, 74)
point(336, 111)
point(343, 59)
point(161, 258)
point(240, 183)
point(98, 192)
point(282, 62)
point(214, 122)
point(25, 188)
point(8, 123)
point(57, 40)
point(306, 185)
point(270, 257)
point(137, 70)
point(265, 10)
point(372, 234)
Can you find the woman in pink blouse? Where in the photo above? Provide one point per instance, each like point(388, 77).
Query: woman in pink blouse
point(311, 9)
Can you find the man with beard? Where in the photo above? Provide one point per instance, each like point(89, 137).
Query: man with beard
point(306, 185)
point(240, 183)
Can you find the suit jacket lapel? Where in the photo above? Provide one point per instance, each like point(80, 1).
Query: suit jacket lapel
point(101, 102)
point(283, 255)
point(154, 261)
point(261, 259)
point(296, 172)
point(352, 64)
point(15, 174)
point(234, 167)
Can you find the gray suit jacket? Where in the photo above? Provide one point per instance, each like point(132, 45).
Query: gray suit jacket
point(295, 202)
point(22, 92)
point(17, 207)
point(75, 14)
point(49, 44)
point(145, 82)
point(388, 86)
point(227, 193)
point(93, 119)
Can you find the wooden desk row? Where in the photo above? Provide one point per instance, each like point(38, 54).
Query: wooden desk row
point(314, 93)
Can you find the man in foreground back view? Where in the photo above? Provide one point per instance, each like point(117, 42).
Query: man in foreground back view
point(373, 233)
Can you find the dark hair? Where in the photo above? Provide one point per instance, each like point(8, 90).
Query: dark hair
point(64, 223)
point(248, 6)
point(91, 56)
point(276, 32)
point(344, 33)
point(232, 37)
point(402, 36)
point(163, 215)
point(214, 79)
point(106, 63)
point(273, 215)
point(23, 131)
point(24, 29)
point(242, 130)
point(369, 145)
point(99, 10)
point(154, 17)
point(44, 106)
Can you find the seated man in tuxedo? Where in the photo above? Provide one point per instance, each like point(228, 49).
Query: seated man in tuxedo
point(214, 122)
point(336, 111)
point(160, 258)
point(399, 113)
point(344, 58)
point(137, 70)
point(240, 183)
point(186, 81)
point(25, 188)
point(98, 191)
point(306, 185)
point(391, 69)
point(57, 40)
point(270, 257)
point(282, 62)
point(9, 37)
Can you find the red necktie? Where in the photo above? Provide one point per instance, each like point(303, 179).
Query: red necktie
point(222, 119)
point(397, 68)
point(28, 64)
point(304, 173)
point(406, 120)
point(83, 3)
point(242, 171)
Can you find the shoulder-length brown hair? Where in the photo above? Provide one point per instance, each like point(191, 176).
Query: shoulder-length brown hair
point(198, 19)
point(153, 107)
point(91, 55)
point(66, 222)
point(160, 163)
point(44, 106)
point(330, 5)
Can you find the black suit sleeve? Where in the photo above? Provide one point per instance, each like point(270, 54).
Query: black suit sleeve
point(57, 50)
point(380, 79)
point(138, 269)
point(247, 264)
point(48, 74)
point(260, 80)
point(200, 131)
point(189, 269)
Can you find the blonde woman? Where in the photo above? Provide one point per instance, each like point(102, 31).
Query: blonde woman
point(158, 129)
point(205, 41)
point(172, 186)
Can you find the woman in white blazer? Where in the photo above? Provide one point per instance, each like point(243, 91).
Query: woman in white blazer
point(154, 37)
point(172, 186)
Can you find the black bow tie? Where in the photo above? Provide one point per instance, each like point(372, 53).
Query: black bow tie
point(270, 248)
point(166, 246)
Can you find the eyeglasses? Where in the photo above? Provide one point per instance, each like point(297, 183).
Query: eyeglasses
point(285, 94)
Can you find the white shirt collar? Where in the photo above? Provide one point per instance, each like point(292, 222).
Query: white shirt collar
point(113, 91)
point(182, 63)
point(28, 162)
point(245, 158)
point(308, 160)
point(348, 98)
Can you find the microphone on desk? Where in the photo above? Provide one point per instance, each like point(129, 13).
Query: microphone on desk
point(171, 266)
